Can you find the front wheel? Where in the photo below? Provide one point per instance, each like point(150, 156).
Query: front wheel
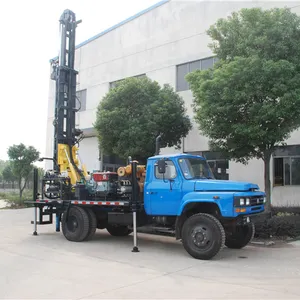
point(241, 237)
point(203, 236)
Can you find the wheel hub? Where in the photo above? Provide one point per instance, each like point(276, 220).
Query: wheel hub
point(200, 237)
point(72, 223)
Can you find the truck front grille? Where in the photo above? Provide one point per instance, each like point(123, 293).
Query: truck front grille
point(257, 200)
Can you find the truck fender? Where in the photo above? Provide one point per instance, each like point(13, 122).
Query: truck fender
point(191, 204)
point(196, 198)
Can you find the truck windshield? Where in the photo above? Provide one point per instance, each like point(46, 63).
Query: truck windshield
point(195, 168)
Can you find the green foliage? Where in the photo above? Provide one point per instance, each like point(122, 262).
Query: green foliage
point(8, 174)
point(130, 117)
point(21, 161)
point(3, 164)
point(13, 198)
point(249, 102)
point(269, 34)
point(279, 225)
point(247, 106)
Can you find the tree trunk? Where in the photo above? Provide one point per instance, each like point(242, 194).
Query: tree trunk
point(267, 159)
point(20, 189)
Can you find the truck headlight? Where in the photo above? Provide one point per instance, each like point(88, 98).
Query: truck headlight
point(242, 201)
point(247, 201)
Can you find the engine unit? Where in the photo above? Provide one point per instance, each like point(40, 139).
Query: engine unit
point(103, 184)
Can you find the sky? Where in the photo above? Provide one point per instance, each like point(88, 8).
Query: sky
point(30, 38)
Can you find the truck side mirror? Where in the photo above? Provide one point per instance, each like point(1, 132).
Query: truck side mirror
point(161, 166)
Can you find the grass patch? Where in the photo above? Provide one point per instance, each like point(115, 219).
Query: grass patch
point(13, 198)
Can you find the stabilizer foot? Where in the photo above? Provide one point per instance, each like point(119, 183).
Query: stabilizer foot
point(135, 249)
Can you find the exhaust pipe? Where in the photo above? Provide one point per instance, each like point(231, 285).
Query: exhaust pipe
point(157, 144)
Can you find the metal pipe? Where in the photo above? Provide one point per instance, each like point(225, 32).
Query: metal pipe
point(135, 246)
point(34, 196)
point(157, 144)
point(57, 222)
point(35, 221)
point(134, 198)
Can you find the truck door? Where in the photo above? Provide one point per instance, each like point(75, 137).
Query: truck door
point(165, 191)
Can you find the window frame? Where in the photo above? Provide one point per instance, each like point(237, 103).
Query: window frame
point(163, 175)
point(290, 157)
point(78, 103)
point(189, 64)
point(114, 84)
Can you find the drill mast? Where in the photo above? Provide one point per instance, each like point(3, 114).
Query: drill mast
point(66, 135)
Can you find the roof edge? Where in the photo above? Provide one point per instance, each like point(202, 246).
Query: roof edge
point(119, 24)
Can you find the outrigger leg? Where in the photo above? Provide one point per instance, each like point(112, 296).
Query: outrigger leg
point(35, 194)
point(134, 204)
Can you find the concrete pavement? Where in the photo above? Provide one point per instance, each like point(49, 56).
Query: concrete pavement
point(50, 267)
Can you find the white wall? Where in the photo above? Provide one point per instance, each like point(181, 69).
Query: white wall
point(89, 153)
point(155, 43)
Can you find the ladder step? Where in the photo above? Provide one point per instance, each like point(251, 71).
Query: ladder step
point(42, 223)
point(47, 213)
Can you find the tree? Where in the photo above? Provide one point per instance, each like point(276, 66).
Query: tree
point(3, 164)
point(8, 175)
point(249, 102)
point(22, 159)
point(131, 116)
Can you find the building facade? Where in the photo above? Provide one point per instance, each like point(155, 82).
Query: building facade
point(164, 43)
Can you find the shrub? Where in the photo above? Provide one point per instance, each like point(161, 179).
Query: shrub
point(283, 223)
point(13, 198)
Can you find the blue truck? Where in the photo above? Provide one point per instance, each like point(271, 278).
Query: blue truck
point(171, 194)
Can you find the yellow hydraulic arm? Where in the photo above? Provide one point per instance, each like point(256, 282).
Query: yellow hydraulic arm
point(65, 163)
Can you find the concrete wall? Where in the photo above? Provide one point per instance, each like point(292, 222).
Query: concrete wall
point(153, 44)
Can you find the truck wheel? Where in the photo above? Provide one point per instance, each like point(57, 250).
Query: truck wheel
point(241, 237)
point(203, 236)
point(92, 223)
point(118, 230)
point(77, 227)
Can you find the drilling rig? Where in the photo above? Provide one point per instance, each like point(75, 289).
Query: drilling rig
point(174, 194)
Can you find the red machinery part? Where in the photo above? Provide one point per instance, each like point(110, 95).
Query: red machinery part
point(105, 176)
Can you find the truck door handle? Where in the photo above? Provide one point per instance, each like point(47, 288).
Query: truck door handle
point(152, 193)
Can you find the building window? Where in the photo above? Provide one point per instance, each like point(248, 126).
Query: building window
point(218, 163)
point(113, 84)
point(81, 100)
point(183, 69)
point(286, 165)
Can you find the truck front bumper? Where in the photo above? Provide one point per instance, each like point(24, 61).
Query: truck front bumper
point(243, 219)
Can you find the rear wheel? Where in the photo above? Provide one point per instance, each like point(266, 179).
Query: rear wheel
point(92, 223)
point(76, 228)
point(118, 230)
point(203, 236)
point(241, 237)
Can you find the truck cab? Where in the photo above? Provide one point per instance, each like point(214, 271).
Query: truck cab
point(187, 179)
point(184, 187)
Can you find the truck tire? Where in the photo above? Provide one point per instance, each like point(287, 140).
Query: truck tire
point(241, 238)
point(92, 223)
point(118, 230)
point(77, 227)
point(203, 236)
